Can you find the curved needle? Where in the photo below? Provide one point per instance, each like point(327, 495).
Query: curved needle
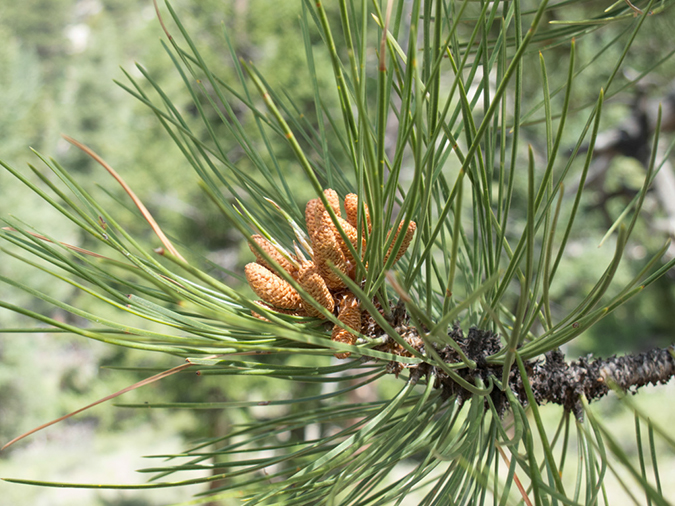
point(141, 207)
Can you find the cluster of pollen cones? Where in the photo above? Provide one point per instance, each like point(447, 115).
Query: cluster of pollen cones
point(316, 276)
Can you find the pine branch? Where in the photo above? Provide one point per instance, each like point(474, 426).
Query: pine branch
point(556, 381)
point(552, 380)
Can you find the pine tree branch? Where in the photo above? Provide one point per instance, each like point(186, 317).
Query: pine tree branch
point(553, 380)
point(556, 381)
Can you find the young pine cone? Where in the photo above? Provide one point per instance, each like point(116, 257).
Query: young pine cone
point(318, 277)
point(350, 315)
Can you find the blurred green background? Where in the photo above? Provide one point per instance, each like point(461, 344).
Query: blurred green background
point(59, 59)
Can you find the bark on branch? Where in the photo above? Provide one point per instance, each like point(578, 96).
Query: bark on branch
point(556, 381)
point(553, 380)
